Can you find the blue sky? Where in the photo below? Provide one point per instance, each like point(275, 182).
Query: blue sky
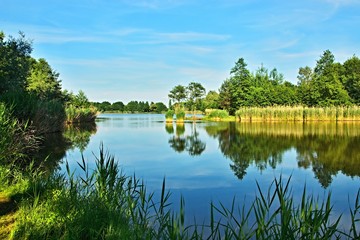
point(140, 49)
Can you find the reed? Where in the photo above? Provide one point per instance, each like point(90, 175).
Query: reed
point(298, 113)
point(169, 115)
point(216, 115)
point(106, 204)
point(44, 116)
point(17, 140)
point(80, 115)
point(180, 116)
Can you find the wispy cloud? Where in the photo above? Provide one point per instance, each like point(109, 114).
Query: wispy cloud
point(342, 2)
point(155, 4)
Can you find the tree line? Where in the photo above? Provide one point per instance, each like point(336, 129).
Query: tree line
point(329, 83)
point(131, 107)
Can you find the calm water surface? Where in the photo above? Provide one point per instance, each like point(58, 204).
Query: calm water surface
point(216, 162)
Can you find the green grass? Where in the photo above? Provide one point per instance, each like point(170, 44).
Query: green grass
point(298, 113)
point(80, 115)
point(169, 115)
point(106, 204)
point(45, 116)
point(17, 139)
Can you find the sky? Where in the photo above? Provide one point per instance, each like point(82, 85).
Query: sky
point(123, 50)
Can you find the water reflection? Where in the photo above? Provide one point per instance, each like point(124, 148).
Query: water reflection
point(181, 142)
point(79, 135)
point(55, 145)
point(327, 148)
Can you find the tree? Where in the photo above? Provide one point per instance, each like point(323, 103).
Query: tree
point(323, 86)
point(326, 84)
point(236, 91)
point(324, 63)
point(14, 62)
point(240, 70)
point(226, 99)
point(80, 100)
point(305, 89)
point(178, 94)
point(351, 78)
point(195, 91)
point(211, 100)
point(132, 106)
point(44, 81)
point(118, 106)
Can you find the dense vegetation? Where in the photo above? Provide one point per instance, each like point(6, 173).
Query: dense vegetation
point(32, 102)
point(329, 83)
point(131, 107)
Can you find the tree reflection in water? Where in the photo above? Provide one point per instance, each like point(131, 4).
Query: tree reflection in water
point(56, 144)
point(179, 142)
point(326, 147)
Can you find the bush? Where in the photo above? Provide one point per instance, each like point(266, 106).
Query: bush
point(16, 140)
point(218, 114)
point(44, 116)
point(80, 114)
point(180, 115)
point(169, 115)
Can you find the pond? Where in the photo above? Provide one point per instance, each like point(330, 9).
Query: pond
point(219, 161)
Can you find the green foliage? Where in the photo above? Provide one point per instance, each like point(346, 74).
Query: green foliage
point(158, 107)
point(169, 115)
point(180, 115)
point(16, 140)
point(178, 94)
point(14, 63)
point(195, 91)
point(79, 134)
point(328, 84)
point(80, 100)
point(43, 116)
point(119, 106)
point(43, 81)
point(102, 204)
point(211, 100)
point(351, 78)
point(80, 115)
point(217, 114)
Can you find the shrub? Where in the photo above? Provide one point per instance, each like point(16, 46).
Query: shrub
point(169, 115)
point(80, 114)
point(44, 116)
point(180, 115)
point(218, 114)
point(16, 140)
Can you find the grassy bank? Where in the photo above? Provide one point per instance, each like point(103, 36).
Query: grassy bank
point(106, 204)
point(299, 113)
point(80, 114)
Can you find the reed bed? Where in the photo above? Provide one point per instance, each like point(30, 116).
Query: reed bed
point(105, 204)
point(80, 115)
point(298, 113)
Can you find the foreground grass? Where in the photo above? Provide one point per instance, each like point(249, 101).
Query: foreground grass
point(7, 216)
point(105, 204)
